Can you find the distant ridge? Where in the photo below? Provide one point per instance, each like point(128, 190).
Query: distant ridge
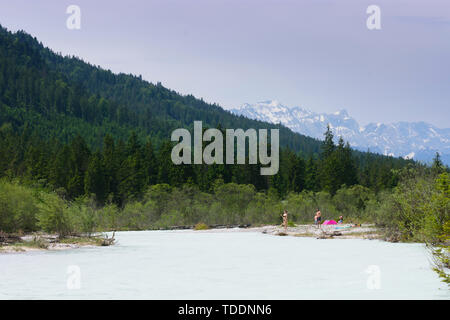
point(412, 140)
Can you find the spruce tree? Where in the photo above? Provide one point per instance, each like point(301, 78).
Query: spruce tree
point(437, 167)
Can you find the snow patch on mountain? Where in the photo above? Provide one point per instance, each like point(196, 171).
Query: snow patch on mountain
point(411, 140)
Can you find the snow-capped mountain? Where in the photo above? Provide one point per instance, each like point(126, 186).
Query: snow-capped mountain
point(417, 140)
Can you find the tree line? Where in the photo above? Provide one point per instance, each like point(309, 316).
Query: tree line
point(121, 170)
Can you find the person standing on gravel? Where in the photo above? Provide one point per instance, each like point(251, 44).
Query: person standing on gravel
point(285, 220)
point(318, 217)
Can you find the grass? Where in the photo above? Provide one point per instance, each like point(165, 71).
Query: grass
point(43, 244)
point(359, 233)
point(36, 243)
point(13, 247)
point(96, 241)
point(201, 226)
point(306, 234)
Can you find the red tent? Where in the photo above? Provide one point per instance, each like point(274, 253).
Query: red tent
point(329, 222)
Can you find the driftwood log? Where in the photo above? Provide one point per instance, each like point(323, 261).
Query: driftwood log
point(108, 241)
point(6, 238)
point(329, 235)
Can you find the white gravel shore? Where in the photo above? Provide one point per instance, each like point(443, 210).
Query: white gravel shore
point(341, 231)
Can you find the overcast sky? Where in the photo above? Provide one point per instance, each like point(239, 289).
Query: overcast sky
point(316, 54)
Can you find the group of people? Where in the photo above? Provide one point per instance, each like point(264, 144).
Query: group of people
point(317, 219)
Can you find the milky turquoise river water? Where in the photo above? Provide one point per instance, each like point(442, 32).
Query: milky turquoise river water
point(223, 265)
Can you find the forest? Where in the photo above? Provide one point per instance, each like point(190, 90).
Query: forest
point(83, 150)
point(80, 130)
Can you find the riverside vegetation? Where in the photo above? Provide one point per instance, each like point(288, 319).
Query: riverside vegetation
point(84, 150)
point(417, 209)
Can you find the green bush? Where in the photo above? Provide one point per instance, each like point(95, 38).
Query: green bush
point(353, 201)
point(18, 208)
point(54, 215)
point(291, 224)
point(83, 216)
point(201, 226)
point(108, 217)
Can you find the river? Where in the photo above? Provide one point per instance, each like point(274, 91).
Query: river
point(223, 265)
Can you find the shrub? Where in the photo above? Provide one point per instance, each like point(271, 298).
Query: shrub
point(53, 214)
point(18, 208)
point(108, 217)
point(201, 226)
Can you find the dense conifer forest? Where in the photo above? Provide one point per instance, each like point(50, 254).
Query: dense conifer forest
point(83, 130)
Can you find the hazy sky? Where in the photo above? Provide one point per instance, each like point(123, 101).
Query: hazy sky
point(316, 54)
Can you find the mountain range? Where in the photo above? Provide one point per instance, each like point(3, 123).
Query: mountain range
point(410, 140)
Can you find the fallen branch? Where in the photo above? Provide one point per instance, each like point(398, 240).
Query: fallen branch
point(108, 241)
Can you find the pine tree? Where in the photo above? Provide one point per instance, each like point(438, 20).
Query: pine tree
point(312, 176)
point(350, 171)
point(95, 178)
point(298, 175)
point(150, 164)
point(77, 166)
point(437, 167)
point(111, 158)
point(328, 145)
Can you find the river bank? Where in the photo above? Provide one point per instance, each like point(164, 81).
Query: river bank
point(342, 231)
point(43, 241)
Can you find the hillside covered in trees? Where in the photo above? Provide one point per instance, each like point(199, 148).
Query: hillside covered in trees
point(83, 130)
